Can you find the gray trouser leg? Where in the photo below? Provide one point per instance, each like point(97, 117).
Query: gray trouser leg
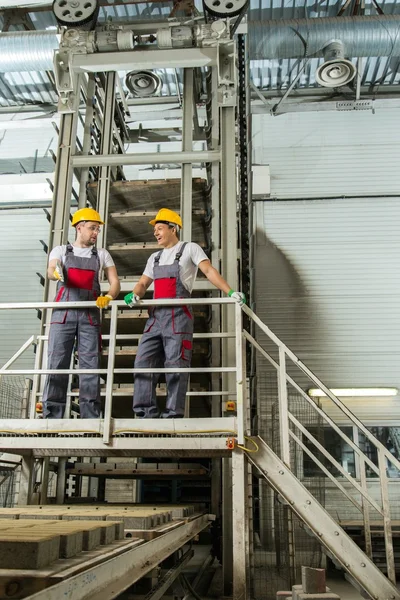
point(176, 355)
point(89, 358)
point(150, 354)
point(61, 343)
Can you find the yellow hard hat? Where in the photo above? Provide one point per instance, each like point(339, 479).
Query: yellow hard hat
point(165, 215)
point(86, 214)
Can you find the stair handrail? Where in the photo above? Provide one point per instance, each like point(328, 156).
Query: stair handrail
point(285, 434)
point(352, 417)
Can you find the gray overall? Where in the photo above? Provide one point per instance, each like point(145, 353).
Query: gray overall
point(166, 342)
point(81, 283)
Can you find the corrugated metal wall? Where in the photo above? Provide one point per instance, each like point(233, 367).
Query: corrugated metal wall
point(328, 285)
point(21, 256)
point(327, 255)
point(329, 154)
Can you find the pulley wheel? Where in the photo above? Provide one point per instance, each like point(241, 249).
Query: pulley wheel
point(225, 8)
point(76, 13)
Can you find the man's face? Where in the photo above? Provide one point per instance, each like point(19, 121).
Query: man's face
point(165, 235)
point(87, 232)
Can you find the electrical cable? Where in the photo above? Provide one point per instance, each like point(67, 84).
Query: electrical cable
point(248, 449)
point(192, 591)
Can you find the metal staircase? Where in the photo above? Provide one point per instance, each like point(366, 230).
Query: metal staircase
point(346, 552)
point(285, 477)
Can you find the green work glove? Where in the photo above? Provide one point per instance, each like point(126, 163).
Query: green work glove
point(239, 297)
point(131, 299)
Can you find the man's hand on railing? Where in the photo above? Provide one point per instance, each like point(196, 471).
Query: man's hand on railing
point(103, 301)
point(239, 297)
point(131, 299)
point(58, 273)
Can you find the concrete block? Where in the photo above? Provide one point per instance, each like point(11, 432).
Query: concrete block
point(84, 516)
point(9, 513)
point(296, 589)
point(71, 542)
point(132, 520)
point(324, 596)
point(107, 533)
point(119, 529)
point(28, 550)
point(91, 538)
point(313, 580)
point(283, 595)
point(41, 515)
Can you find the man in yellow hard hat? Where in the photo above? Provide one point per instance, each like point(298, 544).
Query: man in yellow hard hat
point(77, 269)
point(168, 333)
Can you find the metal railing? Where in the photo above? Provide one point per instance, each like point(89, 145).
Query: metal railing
point(291, 430)
point(237, 369)
point(288, 424)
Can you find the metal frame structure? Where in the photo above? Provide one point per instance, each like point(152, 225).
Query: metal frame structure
point(215, 50)
point(33, 438)
point(81, 72)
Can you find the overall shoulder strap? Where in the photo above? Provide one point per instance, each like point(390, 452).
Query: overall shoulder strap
point(157, 257)
point(180, 251)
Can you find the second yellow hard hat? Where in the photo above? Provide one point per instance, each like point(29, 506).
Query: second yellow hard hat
point(167, 216)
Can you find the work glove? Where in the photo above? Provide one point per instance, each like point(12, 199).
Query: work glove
point(238, 297)
point(58, 273)
point(103, 301)
point(131, 299)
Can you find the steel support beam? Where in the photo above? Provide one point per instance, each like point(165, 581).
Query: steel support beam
point(229, 271)
point(103, 188)
point(148, 158)
point(86, 142)
point(187, 146)
point(241, 566)
point(213, 114)
point(26, 480)
point(144, 59)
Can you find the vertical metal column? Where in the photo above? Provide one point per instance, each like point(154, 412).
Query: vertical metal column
point(187, 145)
point(86, 142)
point(60, 213)
point(26, 480)
point(103, 189)
point(44, 480)
point(214, 175)
point(229, 271)
point(240, 526)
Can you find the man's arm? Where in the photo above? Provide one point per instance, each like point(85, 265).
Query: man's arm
point(142, 285)
point(214, 277)
point(112, 277)
point(50, 269)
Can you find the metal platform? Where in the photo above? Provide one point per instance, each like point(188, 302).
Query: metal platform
point(129, 437)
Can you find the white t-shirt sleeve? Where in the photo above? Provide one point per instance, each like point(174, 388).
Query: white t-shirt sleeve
point(56, 253)
point(105, 258)
point(148, 271)
point(197, 253)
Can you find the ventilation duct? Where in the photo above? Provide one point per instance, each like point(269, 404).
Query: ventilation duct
point(294, 38)
point(300, 38)
point(27, 51)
